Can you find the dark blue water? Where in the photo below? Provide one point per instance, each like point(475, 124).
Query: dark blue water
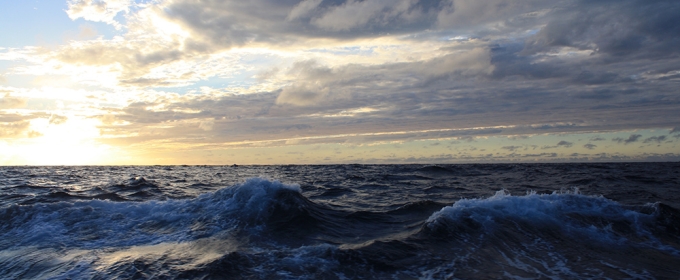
point(341, 222)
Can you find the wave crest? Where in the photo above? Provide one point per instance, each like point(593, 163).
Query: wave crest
point(98, 223)
point(565, 214)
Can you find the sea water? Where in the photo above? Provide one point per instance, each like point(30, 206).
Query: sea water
point(479, 221)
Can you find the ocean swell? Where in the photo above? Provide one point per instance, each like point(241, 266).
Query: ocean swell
point(103, 223)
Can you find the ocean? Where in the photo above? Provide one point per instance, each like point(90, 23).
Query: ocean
point(471, 221)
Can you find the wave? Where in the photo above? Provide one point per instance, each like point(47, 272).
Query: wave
point(563, 234)
point(254, 204)
point(593, 218)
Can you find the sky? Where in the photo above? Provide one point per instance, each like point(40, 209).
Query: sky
point(102, 82)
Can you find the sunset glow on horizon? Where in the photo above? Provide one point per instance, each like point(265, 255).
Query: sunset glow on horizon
point(127, 82)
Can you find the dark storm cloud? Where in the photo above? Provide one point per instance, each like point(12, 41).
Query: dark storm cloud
point(617, 28)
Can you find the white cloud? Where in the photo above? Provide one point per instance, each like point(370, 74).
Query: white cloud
point(98, 10)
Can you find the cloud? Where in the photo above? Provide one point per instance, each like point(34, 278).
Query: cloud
point(559, 144)
point(512, 148)
point(468, 63)
point(9, 102)
point(19, 125)
point(657, 139)
point(98, 10)
point(469, 139)
point(121, 56)
point(633, 27)
point(632, 138)
point(553, 125)
point(470, 13)
point(565, 144)
point(57, 119)
point(235, 23)
point(354, 14)
point(33, 134)
point(314, 82)
point(144, 55)
point(303, 94)
point(345, 71)
point(550, 155)
point(13, 129)
point(207, 125)
point(303, 9)
point(590, 78)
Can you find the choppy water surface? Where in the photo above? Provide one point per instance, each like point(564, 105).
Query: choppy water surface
point(341, 221)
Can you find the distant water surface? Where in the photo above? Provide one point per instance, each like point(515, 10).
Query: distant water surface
point(480, 221)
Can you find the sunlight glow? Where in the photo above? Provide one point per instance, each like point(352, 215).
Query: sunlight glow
point(69, 143)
